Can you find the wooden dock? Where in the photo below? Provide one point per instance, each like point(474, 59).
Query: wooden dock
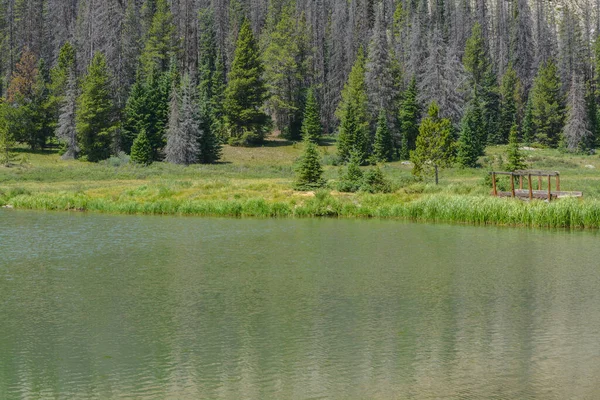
point(532, 193)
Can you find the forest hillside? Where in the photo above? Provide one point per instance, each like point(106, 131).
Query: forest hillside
point(175, 79)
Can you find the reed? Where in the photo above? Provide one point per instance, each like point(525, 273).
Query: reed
point(476, 210)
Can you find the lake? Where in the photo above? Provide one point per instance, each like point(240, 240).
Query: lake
point(131, 307)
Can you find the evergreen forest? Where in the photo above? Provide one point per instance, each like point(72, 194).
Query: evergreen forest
point(433, 81)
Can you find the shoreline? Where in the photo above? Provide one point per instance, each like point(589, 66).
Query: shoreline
point(464, 209)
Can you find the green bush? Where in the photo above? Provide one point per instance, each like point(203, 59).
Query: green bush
point(375, 182)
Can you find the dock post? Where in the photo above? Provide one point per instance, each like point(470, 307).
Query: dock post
point(494, 184)
point(549, 189)
point(530, 187)
point(521, 182)
point(512, 184)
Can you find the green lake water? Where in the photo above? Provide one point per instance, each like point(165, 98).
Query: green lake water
point(128, 307)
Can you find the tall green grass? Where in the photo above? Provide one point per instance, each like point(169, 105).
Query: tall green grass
point(478, 210)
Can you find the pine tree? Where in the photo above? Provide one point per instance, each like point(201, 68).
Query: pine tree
point(218, 99)
point(136, 114)
point(383, 148)
point(7, 141)
point(42, 108)
point(374, 181)
point(23, 95)
point(309, 171)
point(476, 59)
point(515, 159)
point(130, 43)
point(490, 99)
point(95, 112)
point(159, 48)
point(577, 134)
point(184, 128)
point(61, 74)
point(435, 146)
point(547, 105)
point(472, 139)
point(209, 142)
point(352, 178)
point(409, 120)
point(147, 108)
point(283, 71)
point(528, 130)
point(483, 81)
point(141, 150)
point(66, 128)
point(311, 123)
point(510, 105)
point(352, 112)
point(592, 114)
point(245, 94)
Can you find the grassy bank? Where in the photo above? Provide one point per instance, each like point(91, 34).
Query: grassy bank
point(257, 182)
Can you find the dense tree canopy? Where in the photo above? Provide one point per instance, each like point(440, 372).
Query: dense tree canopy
point(91, 75)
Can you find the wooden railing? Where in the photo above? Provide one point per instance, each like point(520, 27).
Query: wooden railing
point(531, 193)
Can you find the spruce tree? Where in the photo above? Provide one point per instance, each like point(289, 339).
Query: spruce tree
point(141, 150)
point(245, 94)
point(209, 142)
point(515, 158)
point(592, 115)
point(510, 104)
point(284, 70)
point(409, 120)
point(471, 143)
point(374, 181)
point(547, 106)
point(136, 114)
point(577, 135)
point(352, 178)
point(61, 74)
point(159, 47)
point(7, 141)
point(147, 108)
point(490, 103)
point(527, 130)
point(352, 112)
point(383, 147)
point(28, 95)
point(66, 131)
point(311, 123)
point(159, 95)
point(218, 99)
point(95, 112)
point(42, 108)
point(309, 171)
point(435, 145)
point(475, 58)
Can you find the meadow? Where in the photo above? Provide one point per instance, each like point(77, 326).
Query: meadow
point(258, 182)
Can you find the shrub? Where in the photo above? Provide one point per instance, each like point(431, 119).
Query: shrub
point(375, 182)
